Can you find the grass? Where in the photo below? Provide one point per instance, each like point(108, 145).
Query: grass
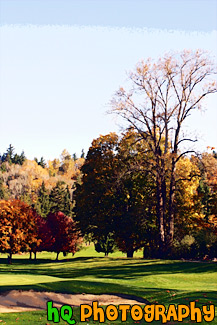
point(157, 281)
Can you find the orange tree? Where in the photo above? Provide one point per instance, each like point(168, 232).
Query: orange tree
point(18, 231)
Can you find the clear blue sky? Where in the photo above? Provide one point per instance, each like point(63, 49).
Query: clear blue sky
point(61, 61)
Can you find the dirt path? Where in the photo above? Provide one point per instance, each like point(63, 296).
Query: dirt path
point(18, 301)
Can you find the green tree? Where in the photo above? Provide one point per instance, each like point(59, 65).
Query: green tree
point(68, 206)
point(19, 159)
point(134, 216)
point(42, 205)
point(60, 199)
point(113, 202)
point(13, 158)
point(93, 198)
point(41, 162)
point(82, 153)
point(9, 155)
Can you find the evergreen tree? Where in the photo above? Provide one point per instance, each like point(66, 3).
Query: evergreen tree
point(22, 158)
point(74, 156)
point(57, 198)
point(82, 153)
point(67, 202)
point(43, 204)
point(13, 158)
point(60, 199)
point(41, 162)
point(10, 153)
point(19, 159)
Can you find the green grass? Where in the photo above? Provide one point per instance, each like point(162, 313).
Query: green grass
point(161, 281)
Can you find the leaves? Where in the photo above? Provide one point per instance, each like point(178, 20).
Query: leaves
point(18, 229)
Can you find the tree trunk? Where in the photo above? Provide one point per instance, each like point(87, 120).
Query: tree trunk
point(160, 217)
point(130, 253)
point(35, 253)
point(10, 258)
point(57, 256)
point(170, 233)
point(145, 255)
point(30, 255)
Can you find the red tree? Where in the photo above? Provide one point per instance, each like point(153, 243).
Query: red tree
point(64, 235)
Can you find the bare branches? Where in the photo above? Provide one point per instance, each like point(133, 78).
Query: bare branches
point(189, 179)
point(185, 153)
point(163, 95)
point(186, 139)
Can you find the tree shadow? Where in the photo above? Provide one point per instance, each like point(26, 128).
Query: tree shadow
point(103, 268)
point(144, 295)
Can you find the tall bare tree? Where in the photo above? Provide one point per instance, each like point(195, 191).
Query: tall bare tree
point(163, 95)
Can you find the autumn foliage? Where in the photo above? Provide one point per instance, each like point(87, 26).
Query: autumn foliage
point(18, 230)
point(23, 230)
point(64, 237)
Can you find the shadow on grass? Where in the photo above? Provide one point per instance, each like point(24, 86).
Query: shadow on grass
point(27, 261)
point(99, 267)
point(144, 295)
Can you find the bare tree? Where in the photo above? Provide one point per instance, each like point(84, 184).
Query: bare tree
point(163, 94)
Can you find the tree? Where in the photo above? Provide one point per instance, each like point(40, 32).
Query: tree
point(19, 159)
point(208, 184)
point(42, 205)
point(93, 198)
point(82, 153)
point(40, 162)
point(9, 154)
point(17, 227)
point(105, 244)
point(65, 236)
point(187, 213)
point(68, 202)
point(60, 199)
point(162, 96)
point(112, 202)
point(12, 157)
point(134, 217)
point(44, 236)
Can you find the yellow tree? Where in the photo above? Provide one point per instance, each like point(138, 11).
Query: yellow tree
point(162, 96)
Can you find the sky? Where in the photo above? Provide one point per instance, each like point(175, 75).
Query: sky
point(61, 61)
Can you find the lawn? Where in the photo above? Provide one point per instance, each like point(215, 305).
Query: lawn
point(157, 281)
